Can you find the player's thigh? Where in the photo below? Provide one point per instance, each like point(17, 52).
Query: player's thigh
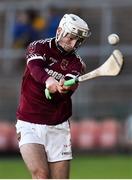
point(35, 157)
point(60, 169)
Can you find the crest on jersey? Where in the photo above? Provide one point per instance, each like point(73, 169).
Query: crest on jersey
point(64, 64)
point(31, 49)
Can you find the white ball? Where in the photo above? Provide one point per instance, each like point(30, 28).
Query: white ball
point(113, 39)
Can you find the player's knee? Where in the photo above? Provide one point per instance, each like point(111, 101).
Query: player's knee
point(40, 174)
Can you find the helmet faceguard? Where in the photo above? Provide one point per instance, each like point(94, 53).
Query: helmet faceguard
point(73, 24)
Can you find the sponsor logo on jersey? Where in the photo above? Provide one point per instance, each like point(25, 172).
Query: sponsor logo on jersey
point(54, 74)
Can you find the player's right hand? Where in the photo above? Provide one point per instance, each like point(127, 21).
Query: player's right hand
point(51, 85)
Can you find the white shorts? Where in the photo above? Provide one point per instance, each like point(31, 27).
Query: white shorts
point(56, 139)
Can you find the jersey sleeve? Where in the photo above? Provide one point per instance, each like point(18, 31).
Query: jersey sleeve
point(81, 66)
point(36, 62)
point(83, 69)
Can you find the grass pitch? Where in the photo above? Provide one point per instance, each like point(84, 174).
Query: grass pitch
point(102, 167)
point(82, 167)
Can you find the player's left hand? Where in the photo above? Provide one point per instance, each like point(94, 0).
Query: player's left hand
point(61, 87)
point(65, 89)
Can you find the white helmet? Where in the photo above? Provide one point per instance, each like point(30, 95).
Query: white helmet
point(73, 24)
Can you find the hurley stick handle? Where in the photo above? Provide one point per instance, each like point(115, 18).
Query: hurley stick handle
point(70, 82)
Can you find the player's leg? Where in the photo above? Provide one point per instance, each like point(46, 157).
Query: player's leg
point(60, 170)
point(58, 148)
point(32, 148)
point(35, 158)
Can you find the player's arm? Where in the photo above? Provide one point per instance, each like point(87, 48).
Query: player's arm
point(73, 75)
point(69, 90)
point(36, 64)
point(65, 89)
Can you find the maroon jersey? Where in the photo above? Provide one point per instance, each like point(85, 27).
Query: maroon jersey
point(44, 59)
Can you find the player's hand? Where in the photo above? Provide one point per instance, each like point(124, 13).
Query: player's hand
point(52, 85)
point(64, 89)
point(61, 87)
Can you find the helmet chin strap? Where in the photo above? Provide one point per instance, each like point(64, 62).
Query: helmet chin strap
point(62, 49)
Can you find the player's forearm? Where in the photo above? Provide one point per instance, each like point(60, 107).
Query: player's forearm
point(37, 71)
